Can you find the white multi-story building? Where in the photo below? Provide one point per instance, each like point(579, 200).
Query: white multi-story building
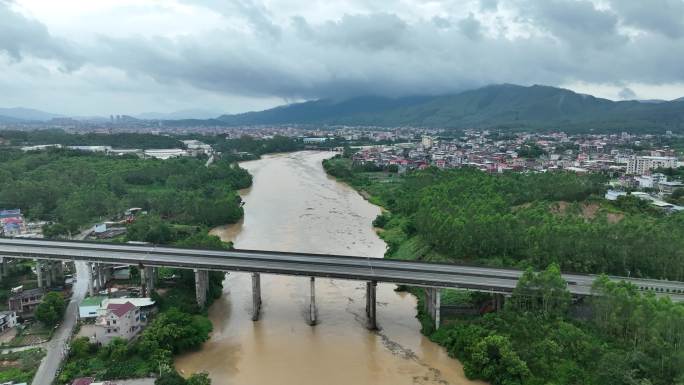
point(117, 320)
point(8, 320)
point(196, 147)
point(639, 165)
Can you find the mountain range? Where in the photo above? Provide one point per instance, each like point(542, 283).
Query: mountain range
point(504, 106)
point(496, 106)
point(18, 114)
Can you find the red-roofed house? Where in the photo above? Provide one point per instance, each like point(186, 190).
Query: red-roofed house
point(117, 320)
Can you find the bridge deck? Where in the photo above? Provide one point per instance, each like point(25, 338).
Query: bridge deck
point(332, 266)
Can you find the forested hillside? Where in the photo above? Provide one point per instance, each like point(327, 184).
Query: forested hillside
point(75, 188)
point(545, 222)
point(525, 220)
point(56, 136)
point(499, 106)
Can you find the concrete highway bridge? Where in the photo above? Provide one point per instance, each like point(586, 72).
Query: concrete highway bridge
point(431, 276)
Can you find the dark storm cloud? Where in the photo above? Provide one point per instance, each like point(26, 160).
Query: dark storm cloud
point(378, 53)
point(471, 27)
point(579, 23)
point(21, 36)
point(662, 16)
point(366, 32)
point(489, 5)
point(384, 54)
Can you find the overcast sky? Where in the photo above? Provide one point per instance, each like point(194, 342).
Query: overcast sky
point(89, 57)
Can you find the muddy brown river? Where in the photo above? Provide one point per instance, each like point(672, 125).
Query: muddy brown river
point(294, 206)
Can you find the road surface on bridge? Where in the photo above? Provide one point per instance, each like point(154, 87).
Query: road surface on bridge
point(342, 267)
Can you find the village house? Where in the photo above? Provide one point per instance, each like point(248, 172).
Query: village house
point(117, 321)
point(24, 302)
point(8, 320)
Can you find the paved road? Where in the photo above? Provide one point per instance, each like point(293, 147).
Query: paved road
point(343, 267)
point(56, 348)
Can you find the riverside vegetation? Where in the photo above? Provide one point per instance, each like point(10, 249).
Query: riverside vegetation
point(183, 199)
point(539, 222)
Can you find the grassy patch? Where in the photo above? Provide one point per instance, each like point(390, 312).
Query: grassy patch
point(20, 366)
point(33, 334)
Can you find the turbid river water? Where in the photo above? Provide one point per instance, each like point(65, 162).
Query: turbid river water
point(294, 206)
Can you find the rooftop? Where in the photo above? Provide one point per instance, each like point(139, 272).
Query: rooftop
point(28, 293)
point(93, 301)
point(120, 309)
point(137, 302)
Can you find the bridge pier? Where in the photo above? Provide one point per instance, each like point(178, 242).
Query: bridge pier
point(97, 277)
point(55, 272)
point(3, 268)
point(89, 277)
point(149, 280)
point(499, 300)
point(256, 296)
point(201, 283)
point(47, 272)
point(143, 279)
point(433, 304)
point(371, 310)
point(107, 273)
point(39, 273)
point(312, 303)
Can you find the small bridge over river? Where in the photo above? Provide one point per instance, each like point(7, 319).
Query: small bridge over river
point(431, 276)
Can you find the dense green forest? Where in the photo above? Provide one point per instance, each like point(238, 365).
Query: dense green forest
point(75, 188)
point(56, 136)
point(627, 338)
point(247, 147)
point(545, 222)
point(523, 220)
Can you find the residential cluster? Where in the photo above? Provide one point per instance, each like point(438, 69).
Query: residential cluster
point(13, 224)
point(618, 155)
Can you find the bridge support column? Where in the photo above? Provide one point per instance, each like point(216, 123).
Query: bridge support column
point(433, 299)
point(201, 282)
point(371, 293)
point(96, 277)
point(312, 303)
point(256, 296)
point(149, 280)
point(498, 301)
point(47, 272)
point(89, 277)
point(101, 276)
point(437, 311)
point(107, 273)
point(39, 272)
point(142, 270)
point(54, 272)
